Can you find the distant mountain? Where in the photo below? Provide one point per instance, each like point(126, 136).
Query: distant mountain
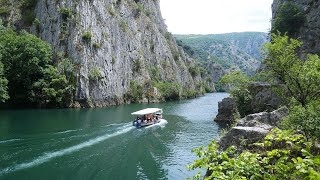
point(231, 51)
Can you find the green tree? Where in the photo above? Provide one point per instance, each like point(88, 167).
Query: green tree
point(24, 58)
point(300, 77)
point(51, 89)
point(306, 119)
point(3, 85)
point(288, 20)
point(29, 69)
point(238, 83)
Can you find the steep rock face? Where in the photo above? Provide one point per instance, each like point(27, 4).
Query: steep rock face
point(121, 41)
point(309, 32)
point(263, 97)
point(227, 112)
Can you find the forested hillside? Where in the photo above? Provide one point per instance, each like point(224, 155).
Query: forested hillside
point(240, 51)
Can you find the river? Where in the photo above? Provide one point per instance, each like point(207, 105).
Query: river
point(102, 144)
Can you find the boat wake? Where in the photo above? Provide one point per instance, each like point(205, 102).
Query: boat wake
point(51, 155)
point(162, 124)
point(9, 140)
point(68, 131)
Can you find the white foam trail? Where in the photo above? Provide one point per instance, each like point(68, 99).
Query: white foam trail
point(64, 132)
point(48, 156)
point(162, 123)
point(9, 140)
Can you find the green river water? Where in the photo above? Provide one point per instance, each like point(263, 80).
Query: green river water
point(103, 144)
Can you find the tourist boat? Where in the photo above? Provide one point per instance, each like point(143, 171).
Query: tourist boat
point(147, 117)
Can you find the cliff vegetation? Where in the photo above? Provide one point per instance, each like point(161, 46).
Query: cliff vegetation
point(291, 152)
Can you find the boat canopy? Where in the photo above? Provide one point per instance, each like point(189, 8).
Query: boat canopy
point(146, 111)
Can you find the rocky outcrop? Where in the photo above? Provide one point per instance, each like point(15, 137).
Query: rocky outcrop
point(125, 43)
point(253, 128)
point(227, 111)
point(263, 97)
point(309, 32)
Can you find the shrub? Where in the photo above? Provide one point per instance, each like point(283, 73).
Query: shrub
point(36, 22)
point(65, 13)
point(239, 83)
point(3, 85)
point(306, 119)
point(282, 155)
point(123, 25)
point(32, 78)
point(289, 19)
point(28, 4)
point(301, 77)
point(86, 36)
point(96, 45)
point(194, 71)
point(169, 90)
point(137, 65)
point(111, 11)
point(95, 74)
point(136, 92)
point(113, 61)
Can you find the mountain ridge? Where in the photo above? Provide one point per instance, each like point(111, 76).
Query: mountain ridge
point(239, 50)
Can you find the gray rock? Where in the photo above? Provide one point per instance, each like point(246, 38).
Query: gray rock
point(240, 136)
point(252, 128)
point(263, 97)
point(227, 112)
point(270, 118)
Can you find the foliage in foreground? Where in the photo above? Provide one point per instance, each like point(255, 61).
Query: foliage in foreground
point(306, 119)
point(282, 155)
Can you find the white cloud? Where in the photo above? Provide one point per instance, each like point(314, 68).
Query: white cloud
point(216, 16)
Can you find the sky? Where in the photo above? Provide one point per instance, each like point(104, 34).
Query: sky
point(216, 16)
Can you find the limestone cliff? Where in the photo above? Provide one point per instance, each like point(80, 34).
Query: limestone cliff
point(309, 30)
point(120, 42)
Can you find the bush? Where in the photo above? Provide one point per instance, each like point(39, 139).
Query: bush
point(95, 74)
point(194, 71)
point(65, 13)
point(136, 92)
point(301, 77)
point(169, 90)
point(111, 11)
point(137, 65)
point(306, 119)
point(32, 78)
point(123, 25)
point(289, 19)
point(239, 84)
point(86, 36)
point(96, 45)
point(3, 85)
point(282, 155)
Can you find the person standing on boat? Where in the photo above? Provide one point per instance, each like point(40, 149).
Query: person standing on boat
point(139, 121)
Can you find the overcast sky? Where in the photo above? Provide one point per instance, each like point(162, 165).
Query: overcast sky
point(216, 16)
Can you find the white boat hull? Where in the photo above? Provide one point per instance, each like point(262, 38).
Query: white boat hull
point(160, 121)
